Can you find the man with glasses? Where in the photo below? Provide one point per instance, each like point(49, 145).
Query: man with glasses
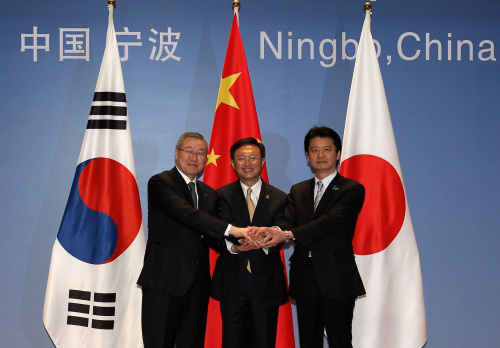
point(175, 278)
point(321, 218)
point(249, 281)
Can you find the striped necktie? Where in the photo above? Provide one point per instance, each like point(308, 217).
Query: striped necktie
point(319, 194)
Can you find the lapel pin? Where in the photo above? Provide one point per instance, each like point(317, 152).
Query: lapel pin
point(267, 196)
point(335, 188)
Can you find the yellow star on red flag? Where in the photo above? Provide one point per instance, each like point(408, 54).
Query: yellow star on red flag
point(212, 158)
point(224, 95)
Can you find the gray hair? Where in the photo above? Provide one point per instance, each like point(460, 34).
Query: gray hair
point(195, 135)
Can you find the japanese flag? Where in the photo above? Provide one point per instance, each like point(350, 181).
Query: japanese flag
point(392, 315)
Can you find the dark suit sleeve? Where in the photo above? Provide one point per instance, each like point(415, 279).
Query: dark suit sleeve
point(279, 216)
point(223, 211)
point(278, 220)
point(288, 221)
point(344, 211)
point(224, 214)
point(164, 197)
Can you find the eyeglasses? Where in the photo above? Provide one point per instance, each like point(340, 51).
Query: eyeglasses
point(251, 159)
point(191, 152)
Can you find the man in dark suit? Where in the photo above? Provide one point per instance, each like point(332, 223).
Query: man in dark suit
point(175, 278)
point(248, 281)
point(321, 218)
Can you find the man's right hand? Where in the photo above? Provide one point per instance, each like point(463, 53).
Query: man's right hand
point(270, 236)
point(239, 232)
point(246, 245)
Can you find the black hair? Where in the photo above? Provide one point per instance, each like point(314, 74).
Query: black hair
point(248, 141)
point(322, 132)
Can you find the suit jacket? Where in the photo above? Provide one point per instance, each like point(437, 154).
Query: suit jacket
point(267, 269)
point(327, 233)
point(176, 245)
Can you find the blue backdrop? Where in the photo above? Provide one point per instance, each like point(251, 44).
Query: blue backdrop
point(441, 75)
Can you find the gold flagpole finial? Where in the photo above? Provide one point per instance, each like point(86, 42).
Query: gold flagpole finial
point(367, 6)
point(112, 2)
point(236, 4)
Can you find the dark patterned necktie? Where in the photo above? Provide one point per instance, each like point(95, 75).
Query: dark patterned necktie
point(192, 188)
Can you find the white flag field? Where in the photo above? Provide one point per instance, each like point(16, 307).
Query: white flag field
point(392, 314)
point(92, 299)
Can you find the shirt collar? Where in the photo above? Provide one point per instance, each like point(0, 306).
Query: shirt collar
point(186, 179)
point(255, 188)
point(326, 181)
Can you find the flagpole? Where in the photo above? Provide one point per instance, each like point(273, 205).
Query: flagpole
point(236, 9)
point(368, 7)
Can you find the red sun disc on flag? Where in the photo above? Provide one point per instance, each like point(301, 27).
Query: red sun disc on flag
point(383, 211)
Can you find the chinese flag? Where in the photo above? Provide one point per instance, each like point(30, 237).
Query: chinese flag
point(235, 118)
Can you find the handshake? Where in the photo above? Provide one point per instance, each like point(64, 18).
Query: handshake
point(259, 237)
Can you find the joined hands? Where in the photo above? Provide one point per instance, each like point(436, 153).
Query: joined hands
point(270, 236)
point(257, 237)
point(248, 241)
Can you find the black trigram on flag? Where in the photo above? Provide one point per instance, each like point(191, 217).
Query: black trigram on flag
point(82, 311)
point(108, 111)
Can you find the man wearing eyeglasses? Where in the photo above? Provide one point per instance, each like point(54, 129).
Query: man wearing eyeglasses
point(175, 278)
point(249, 281)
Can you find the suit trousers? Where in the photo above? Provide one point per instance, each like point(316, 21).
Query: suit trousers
point(169, 321)
point(246, 322)
point(316, 313)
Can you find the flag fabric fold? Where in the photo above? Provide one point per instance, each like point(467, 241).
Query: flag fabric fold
point(92, 299)
point(393, 312)
point(235, 118)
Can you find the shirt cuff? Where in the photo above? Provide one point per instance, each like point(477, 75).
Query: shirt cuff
point(229, 246)
point(227, 230)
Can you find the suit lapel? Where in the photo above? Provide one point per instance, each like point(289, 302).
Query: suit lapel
point(330, 193)
point(309, 196)
point(202, 196)
point(239, 201)
point(262, 204)
point(181, 185)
